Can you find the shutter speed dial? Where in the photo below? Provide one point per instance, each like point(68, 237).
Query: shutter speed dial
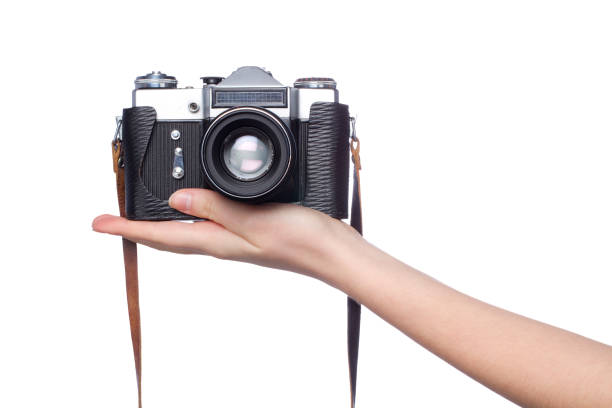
point(155, 79)
point(315, 82)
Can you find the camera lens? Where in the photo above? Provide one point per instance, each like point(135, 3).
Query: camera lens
point(248, 154)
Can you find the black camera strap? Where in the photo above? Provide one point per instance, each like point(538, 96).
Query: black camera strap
point(354, 308)
point(130, 259)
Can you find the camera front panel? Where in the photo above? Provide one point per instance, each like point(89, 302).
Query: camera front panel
point(150, 159)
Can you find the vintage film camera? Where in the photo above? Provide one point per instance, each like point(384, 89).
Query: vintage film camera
point(246, 136)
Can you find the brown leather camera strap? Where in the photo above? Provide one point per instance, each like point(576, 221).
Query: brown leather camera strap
point(130, 259)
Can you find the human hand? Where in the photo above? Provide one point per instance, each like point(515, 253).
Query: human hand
point(283, 236)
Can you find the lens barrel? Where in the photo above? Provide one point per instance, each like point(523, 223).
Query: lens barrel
point(246, 153)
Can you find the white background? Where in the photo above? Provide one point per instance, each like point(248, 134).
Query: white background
point(487, 163)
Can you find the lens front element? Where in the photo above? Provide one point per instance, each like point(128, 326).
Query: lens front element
point(248, 154)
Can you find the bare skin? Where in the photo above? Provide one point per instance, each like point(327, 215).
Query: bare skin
point(528, 362)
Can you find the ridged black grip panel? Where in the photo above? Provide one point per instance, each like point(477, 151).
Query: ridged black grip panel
point(327, 159)
point(140, 204)
point(158, 162)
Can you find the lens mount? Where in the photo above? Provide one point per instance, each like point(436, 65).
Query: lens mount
point(250, 123)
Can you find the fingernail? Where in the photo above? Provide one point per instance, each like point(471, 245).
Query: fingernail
point(95, 224)
point(181, 201)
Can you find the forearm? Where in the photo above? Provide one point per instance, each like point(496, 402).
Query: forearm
point(528, 362)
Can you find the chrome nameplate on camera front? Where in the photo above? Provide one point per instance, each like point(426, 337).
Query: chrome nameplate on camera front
point(173, 103)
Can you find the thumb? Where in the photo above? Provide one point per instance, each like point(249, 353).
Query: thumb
point(209, 204)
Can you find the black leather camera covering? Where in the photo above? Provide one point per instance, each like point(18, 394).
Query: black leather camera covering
point(327, 159)
point(140, 204)
point(148, 152)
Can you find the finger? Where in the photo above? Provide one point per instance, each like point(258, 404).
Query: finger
point(176, 250)
point(204, 237)
point(211, 205)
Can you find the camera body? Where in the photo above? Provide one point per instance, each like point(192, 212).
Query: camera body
point(246, 136)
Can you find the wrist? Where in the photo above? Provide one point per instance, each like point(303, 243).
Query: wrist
point(340, 251)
